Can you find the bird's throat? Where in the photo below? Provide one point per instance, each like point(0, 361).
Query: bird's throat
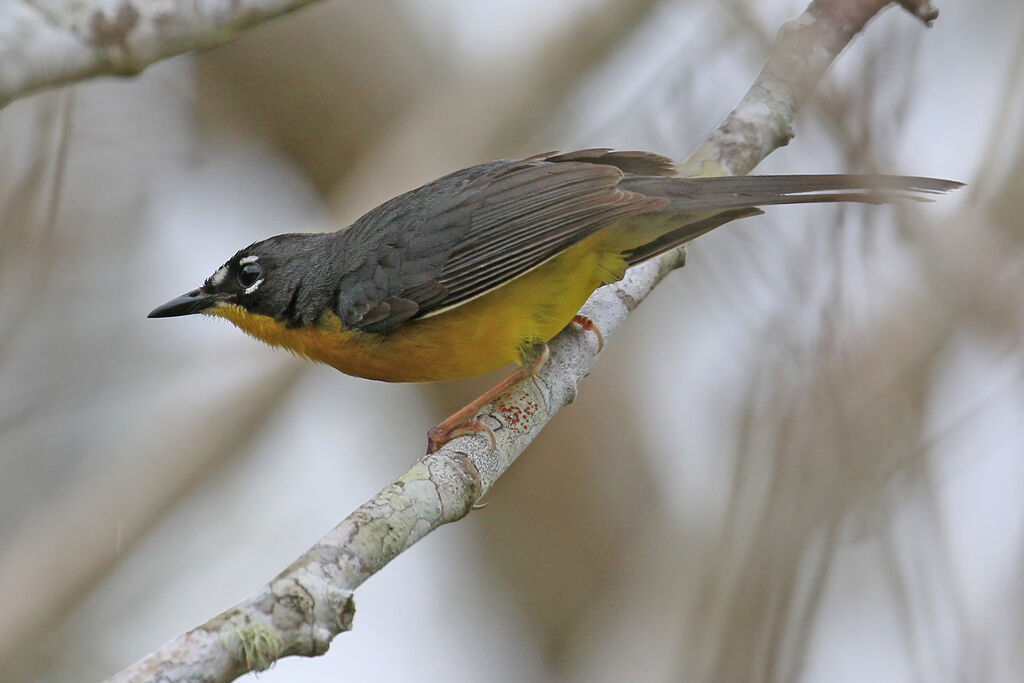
point(351, 351)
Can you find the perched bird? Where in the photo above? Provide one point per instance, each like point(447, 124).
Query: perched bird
point(482, 267)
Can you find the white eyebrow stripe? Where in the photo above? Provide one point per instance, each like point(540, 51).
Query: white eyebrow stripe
point(218, 278)
point(247, 259)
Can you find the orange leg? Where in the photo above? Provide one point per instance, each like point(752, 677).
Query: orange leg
point(463, 421)
point(588, 325)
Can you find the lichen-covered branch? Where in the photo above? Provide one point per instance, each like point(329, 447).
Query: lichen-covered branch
point(310, 602)
point(300, 611)
point(45, 43)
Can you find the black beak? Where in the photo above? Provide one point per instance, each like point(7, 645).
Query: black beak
point(195, 301)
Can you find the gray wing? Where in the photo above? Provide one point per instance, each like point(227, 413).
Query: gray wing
point(474, 230)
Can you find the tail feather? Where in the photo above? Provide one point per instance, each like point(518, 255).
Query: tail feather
point(698, 205)
point(713, 194)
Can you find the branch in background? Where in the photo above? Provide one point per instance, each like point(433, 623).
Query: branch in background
point(46, 43)
point(804, 49)
point(300, 611)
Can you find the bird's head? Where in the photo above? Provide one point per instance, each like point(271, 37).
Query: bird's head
point(272, 278)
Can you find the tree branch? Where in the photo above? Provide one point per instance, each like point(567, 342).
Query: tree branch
point(310, 602)
point(300, 611)
point(804, 49)
point(46, 43)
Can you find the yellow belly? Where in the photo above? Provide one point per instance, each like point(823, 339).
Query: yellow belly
point(473, 338)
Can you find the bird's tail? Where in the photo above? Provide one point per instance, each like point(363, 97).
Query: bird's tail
point(703, 204)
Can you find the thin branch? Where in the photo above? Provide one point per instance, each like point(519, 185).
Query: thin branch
point(804, 49)
point(300, 611)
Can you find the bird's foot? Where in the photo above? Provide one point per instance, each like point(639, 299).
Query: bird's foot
point(440, 435)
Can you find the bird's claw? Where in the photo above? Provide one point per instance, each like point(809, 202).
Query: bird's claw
point(588, 325)
point(439, 436)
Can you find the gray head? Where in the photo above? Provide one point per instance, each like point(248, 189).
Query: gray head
point(286, 277)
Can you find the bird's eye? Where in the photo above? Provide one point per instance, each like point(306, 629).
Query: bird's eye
point(249, 274)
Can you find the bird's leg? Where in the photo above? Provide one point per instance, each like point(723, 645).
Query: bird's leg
point(464, 420)
point(588, 325)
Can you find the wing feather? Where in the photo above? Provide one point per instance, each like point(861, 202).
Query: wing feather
point(474, 230)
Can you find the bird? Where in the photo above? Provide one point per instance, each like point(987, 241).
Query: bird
point(482, 267)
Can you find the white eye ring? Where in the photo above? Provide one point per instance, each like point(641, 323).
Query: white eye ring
point(249, 276)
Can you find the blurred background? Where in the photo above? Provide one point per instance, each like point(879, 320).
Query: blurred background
point(802, 460)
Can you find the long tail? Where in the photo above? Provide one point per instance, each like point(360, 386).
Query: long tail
point(729, 198)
